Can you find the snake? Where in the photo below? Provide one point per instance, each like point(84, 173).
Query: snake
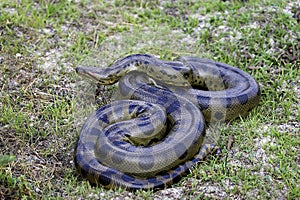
point(156, 133)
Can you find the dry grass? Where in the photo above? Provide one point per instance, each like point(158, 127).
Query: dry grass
point(43, 102)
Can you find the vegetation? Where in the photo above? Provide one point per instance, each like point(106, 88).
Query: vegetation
point(43, 102)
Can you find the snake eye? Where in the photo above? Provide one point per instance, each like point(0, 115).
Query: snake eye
point(186, 75)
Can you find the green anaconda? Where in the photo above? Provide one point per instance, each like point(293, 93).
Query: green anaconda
point(155, 134)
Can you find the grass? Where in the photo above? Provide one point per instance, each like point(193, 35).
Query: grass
point(43, 102)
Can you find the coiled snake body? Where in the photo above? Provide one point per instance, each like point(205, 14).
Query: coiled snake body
point(152, 139)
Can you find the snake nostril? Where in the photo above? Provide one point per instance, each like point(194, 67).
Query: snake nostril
point(77, 69)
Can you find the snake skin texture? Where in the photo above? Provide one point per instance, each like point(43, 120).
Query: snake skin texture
point(155, 134)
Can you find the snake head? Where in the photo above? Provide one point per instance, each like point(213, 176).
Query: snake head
point(96, 74)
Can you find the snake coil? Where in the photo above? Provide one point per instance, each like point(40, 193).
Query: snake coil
point(155, 135)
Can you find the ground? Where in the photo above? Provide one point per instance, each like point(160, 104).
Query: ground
point(44, 103)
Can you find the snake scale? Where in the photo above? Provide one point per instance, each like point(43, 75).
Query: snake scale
point(155, 134)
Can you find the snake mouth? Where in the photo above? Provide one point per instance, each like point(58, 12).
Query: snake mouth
point(87, 72)
point(94, 74)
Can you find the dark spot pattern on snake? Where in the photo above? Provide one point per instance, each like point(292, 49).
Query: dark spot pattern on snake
point(243, 99)
point(173, 107)
point(104, 118)
point(146, 162)
point(203, 102)
point(229, 78)
point(219, 115)
point(180, 150)
point(131, 108)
